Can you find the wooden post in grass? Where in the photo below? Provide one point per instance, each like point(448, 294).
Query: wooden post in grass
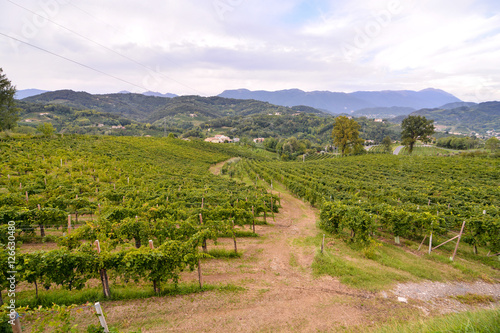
point(16, 324)
point(202, 202)
point(253, 220)
point(26, 196)
point(69, 223)
point(200, 277)
point(423, 240)
point(101, 317)
point(234, 238)
point(323, 244)
point(458, 241)
point(204, 244)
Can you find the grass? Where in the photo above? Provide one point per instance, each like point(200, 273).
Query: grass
point(380, 265)
point(118, 292)
point(474, 299)
point(426, 151)
point(482, 321)
point(223, 253)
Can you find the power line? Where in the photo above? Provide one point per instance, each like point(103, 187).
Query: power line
point(73, 61)
point(101, 45)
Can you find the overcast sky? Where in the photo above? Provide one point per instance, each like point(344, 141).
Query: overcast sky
point(203, 47)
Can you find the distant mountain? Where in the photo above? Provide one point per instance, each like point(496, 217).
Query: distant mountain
point(157, 94)
point(477, 118)
point(20, 94)
point(338, 102)
point(383, 112)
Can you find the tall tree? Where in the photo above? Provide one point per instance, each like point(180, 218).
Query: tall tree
point(345, 133)
point(387, 144)
point(492, 144)
point(416, 128)
point(8, 111)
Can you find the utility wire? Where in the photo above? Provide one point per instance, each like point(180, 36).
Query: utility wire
point(101, 45)
point(73, 61)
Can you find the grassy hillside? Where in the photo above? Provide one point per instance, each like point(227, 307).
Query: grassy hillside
point(465, 119)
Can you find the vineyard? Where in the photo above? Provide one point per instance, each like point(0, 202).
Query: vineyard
point(406, 197)
point(132, 209)
point(123, 218)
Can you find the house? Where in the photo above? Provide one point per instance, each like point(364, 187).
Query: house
point(219, 138)
point(258, 140)
point(378, 120)
point(193, 115)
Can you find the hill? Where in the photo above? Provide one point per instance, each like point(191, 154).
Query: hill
point(478, 118)
point(339, 102)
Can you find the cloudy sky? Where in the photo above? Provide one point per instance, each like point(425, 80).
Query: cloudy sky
point(203, 47)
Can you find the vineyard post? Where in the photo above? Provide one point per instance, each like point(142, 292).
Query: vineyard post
point(26, 196)
point(69, 223)
point(323, 244)
point(204, 243)
point(151, 246)
point(253, 220)
point(16, 327)
point(265, 213)
point(200, 277)
point(458, 241)
point(234, 238)
point(423, 240)
point(102, 319)
point(202, 202)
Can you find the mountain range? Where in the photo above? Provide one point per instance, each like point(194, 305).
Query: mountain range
point(339, 102)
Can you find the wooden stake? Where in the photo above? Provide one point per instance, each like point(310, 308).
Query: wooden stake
point(69, 223)
point(16, 327)
point(423, 240)
point(202, 202)
point(458, 241)
point(26, 196)
point(253, 220)
point(200, 277)
point(151, 246)
point(323, 244)
point(234, 239)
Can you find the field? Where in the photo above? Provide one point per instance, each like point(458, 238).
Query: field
point(325, 245)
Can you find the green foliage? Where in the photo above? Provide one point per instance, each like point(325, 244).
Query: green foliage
point(416, 128)
point(46, 129)
point(8, 110)
point(387, 144)
point(345, 134)
point(453, 142)
point(493, 144)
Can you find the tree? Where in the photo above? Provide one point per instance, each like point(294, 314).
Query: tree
point(46, 129)
point(492, 144)
point(387, 144)
point(345, 133)
point(8, 110)
point(416, 128)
